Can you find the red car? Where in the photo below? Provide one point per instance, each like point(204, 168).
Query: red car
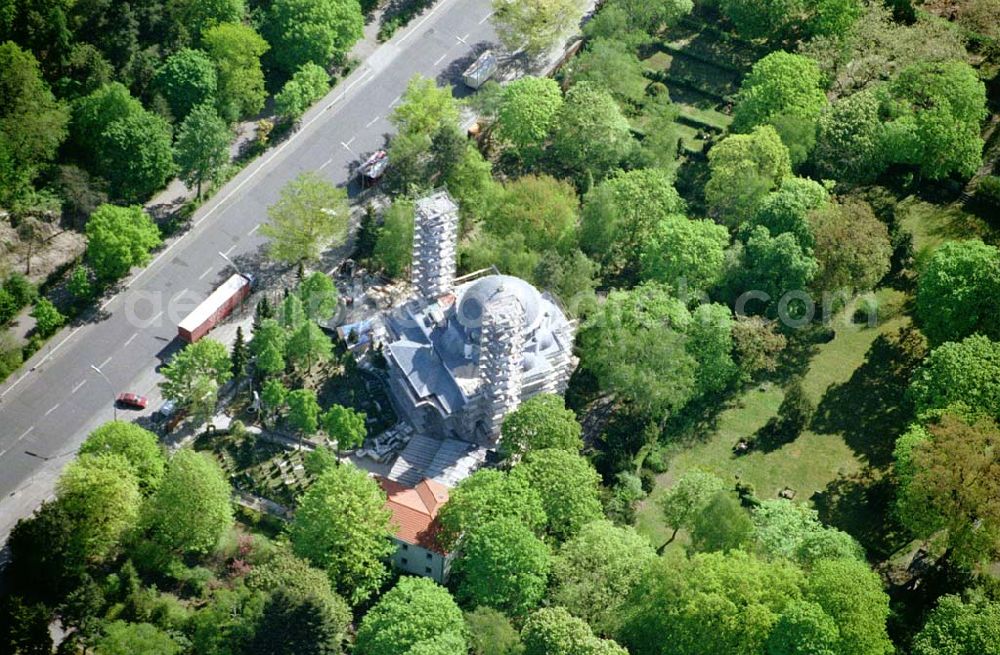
point(133, 400)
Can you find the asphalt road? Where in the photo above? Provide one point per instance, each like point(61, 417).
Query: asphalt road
point(47, 412)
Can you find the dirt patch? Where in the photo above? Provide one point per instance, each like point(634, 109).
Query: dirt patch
point(57, 247)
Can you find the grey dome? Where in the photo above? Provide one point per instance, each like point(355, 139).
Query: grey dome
point(478, 294)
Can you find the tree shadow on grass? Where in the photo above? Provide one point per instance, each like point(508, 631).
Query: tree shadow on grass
point(861, 505)
point(871, 409)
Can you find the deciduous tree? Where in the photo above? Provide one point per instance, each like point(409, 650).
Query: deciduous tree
point(309, 83)
point(966, 372)
point(595, 571)
point(190, 511)
point(394, 245)
point(344, 425)
point(554, 631)
point(957, 290)
point(485, 495)
point(721, 525)
point(342, 526)
point(685, 500)
point(303, 411)
point(311, 214)
point(119, 238)
point(311, 31)
point(121, 638)
point(542, 209)
point(203, 359)
point(960, 626)
point(412, 613)
point(309, 346)
point(683, 251)
point(850, 139)
point(527, 110)
point(542, 421)
point(319, 296)
point(744, 167)
point(534, 26)
point(236, 50)
point(781, 84)
point(100, 497)
point(504, 566)
point(187, 79)
point(202, 148)
point(140, 448)
point(48, 319)
point(590, 136)
point(851, 594)
point(568, 486)
point(852, 247)
point(297, 622)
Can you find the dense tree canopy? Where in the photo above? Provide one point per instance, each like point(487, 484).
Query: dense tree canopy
point(852, 247)
point(680, 249)
point(590, 136)
point(413, 612)
point(140, 448)
point(787, 209)
point(936, 109)
point(687, 497)
point(554, 631)
point(621, 215)
point(568, 486)
point(301, 623)
point(342, 526)
point(202, 148)
point(594, 572)
point(850, 139)
point(957, 290)
point(311, 31)
point(309, 83)
point(187, 79)
point(527, 109)
point(121, 638)
point(236, 49)
point(485, 495)
point(32, 123)
point(781, 19)
point(100, 497)
point(534, 26)
point(194, 375)
point(190, 510)
point(960, 627)
point(504, 566)
point(119, 238)
point(950, 481)
point(542, 421)
point(779, 85)
point(310, 215)
point(960, 372)
point(744, 167)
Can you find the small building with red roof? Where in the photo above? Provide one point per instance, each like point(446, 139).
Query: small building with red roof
point(415, 522)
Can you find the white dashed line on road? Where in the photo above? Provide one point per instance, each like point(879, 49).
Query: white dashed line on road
point(372, 121)
point(52, 409)
point(462, 39)
point(77, 387)
point(25, 433)
point(394, 101)
point(486, 18)
point(325, 164)
point(105, 362)
point(347, 146)
point(203, 275)
point(230, 250)
point(158, 315)
point(129, 340)
point(255, 228)
point(440, 59)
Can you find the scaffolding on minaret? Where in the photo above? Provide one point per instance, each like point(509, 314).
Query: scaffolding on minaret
point(435, 239)
point(501, 358)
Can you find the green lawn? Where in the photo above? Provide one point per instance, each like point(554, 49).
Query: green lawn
point(933, 224)
point(847, 383)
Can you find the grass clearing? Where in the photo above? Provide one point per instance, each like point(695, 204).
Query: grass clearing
point(829, 452)
point(931, 225)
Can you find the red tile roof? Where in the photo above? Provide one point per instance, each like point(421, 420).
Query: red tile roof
point(414, 511)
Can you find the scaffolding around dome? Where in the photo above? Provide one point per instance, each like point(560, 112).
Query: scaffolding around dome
point(467, 351)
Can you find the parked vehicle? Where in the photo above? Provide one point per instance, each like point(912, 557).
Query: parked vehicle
point(133, 400)
point(373, 168)
point(481, 70)
point(165, 411)
point(216, 307)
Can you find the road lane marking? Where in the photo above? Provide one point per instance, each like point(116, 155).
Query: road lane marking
point(77, 387)
point(463, 39)
point(158, 315)
point(486, 18)
point(230, 250)
point(440, 59)
point(25, 433)
point(372, 121)
point(347, 147)
point(255, 228)
point(129, 340)
point(326, 163)
point(105, 362)
point(422, 21)
point(52, 409)
point(203, 275)
point(394, 101)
